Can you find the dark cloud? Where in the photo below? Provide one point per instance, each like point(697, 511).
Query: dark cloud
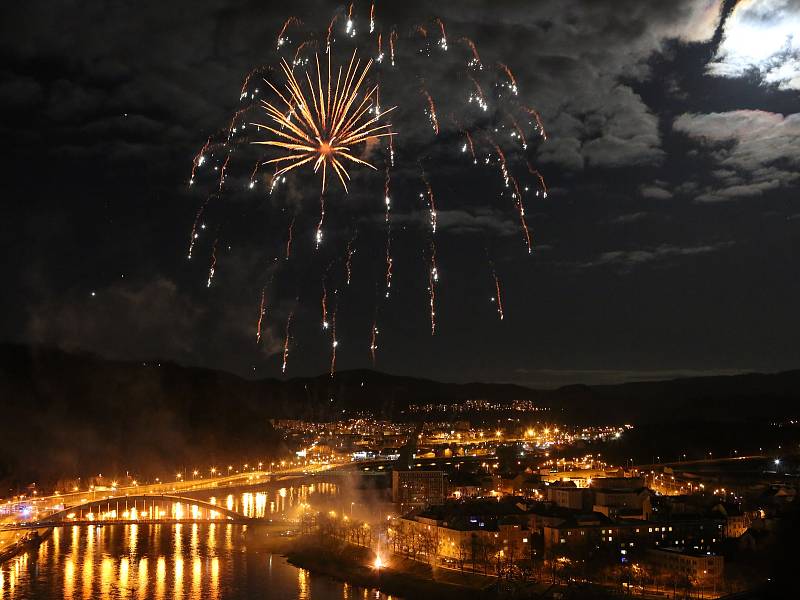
point(753, 151)
point(626, 260)
point(651, 161)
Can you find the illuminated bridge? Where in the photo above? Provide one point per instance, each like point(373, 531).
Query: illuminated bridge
point(141, 509)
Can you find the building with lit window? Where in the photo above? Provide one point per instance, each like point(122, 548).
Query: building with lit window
point(417, 488)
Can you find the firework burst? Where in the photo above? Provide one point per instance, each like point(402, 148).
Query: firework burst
point(323, 123)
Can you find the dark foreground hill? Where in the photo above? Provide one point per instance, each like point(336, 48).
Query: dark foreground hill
point(76, 413)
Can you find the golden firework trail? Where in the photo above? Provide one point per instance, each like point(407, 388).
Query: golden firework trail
point(431, 111)
point(318, 234)
point(195, 234)
point(300, 48)
point(200, 158)
point(538, 175)
point(330, 34)
point(348, 265)
point(350, 26)
point(334, 341)
point(431, 199)
point(470, 145)
point(372, 18)
point(286, 342)
point(289, 239)
point(478, 97)
point(325, 323)
point(518, 131)
point(213, 267)
point(517, 196)
point(392, 40)
point(512, 81)
point(328, 122)
point(391, 150)
point(443, 39)
point(389, 261)
point(232, 125)
point(290, 21)
point(475, 61)
point(222, 171)
point(433, 280)
point(538, 118)
point(498, 299)
point(262, 310)
point(373, 343)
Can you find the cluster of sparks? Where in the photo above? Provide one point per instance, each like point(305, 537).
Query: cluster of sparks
point(324, 118)
point(322, 126)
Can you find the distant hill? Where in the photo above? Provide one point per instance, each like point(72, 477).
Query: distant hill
point(719, 398)
point(76, 413)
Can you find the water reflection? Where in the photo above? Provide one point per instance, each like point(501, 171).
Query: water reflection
point(145, 561)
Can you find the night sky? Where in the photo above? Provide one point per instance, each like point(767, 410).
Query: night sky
point(667, 244)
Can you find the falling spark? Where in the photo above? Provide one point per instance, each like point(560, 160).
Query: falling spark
point(334, 341)
point(330, 33)
point(349, 258)
point(262, 310)
point(222, 171)
point(350, 26)
point(389, 261)
point(518, 131)
point(501, 157)
point(538, 118)
point(379, 55)
point(194, 235)
point(475, 61)
point(443, 40)
point(289, 239)
point(286, 342)
point(431, 112)
point(542, 184)
point(199, 159)
point(325, 323)
point(243, 91)
point(431, 199)
point(253, 175)
point(373, 344)
point(212, 268)
point(290, 21)
point(328, 126)
point(296, 60)
point(232, 124)
point(318, 235)
point(392, 40)
point(433, 279)
point(498, 297)
point(512, 81)
point(517, 196)
point(470, 145)
point(387, 199)
point(478, 96)
point(372, 18)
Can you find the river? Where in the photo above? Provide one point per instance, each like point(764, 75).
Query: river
point(163, 562)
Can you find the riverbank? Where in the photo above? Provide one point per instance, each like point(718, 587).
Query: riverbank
point(17, 542)
point(399, 576)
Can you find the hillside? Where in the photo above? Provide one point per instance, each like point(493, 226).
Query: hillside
point(75, 413)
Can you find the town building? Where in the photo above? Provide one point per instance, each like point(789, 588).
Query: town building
point(702, 568)
point(417, 488)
